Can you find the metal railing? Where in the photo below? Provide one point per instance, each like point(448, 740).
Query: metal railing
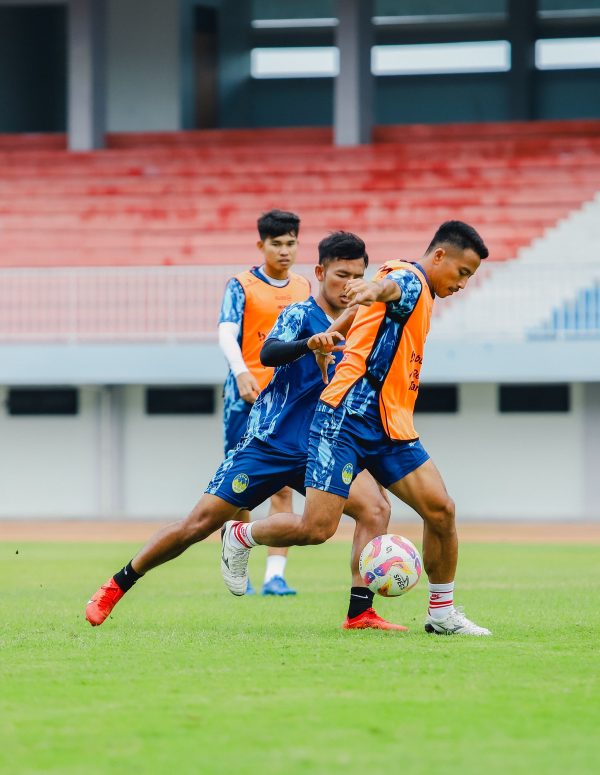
point(163, 304)
point(516, 301)
point(181, 304)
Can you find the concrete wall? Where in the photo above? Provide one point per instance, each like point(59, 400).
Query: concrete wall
point(143, 56)
point(516, 466)
point(49, 465)
point(495, 466)
point(167, 460)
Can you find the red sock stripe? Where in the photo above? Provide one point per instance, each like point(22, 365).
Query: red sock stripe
point(239, 531)
point(435, 602)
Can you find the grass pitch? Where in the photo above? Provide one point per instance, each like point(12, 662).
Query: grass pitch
point(185, 678)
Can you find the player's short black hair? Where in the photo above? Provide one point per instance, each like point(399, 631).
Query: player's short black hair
point(461, 235)
point(278, 222)
point(342, 244)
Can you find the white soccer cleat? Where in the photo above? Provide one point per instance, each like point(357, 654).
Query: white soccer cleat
point(234, 562)
point(456, 623)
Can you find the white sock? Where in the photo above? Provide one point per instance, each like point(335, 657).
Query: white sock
point(275, 566)
point(241, 535)
point(441, 600)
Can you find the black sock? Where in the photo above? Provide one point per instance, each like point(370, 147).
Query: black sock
point(361, 598)
point(127, 577)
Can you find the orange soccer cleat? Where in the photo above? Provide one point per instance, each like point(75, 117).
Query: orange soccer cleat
point(103, 602)
point(370, 619)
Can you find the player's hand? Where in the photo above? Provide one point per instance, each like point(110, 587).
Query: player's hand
point(362, 292)
point(247, 387)
point(326, 342)
point(324, 361)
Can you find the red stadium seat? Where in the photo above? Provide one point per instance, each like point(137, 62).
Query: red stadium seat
point(193, 197)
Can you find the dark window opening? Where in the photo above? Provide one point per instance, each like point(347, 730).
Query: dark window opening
point(188, 400)
point(42, 401)
point(534, 398)
point(437, 399)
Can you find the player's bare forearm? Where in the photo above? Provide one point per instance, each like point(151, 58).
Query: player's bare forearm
point(367, 292)
point(344, 321)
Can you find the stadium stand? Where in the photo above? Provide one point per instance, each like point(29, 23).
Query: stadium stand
point(576, 318)
point(536, 295)
point(190, 200)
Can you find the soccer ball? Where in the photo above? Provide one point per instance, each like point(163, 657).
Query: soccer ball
point(390, 565)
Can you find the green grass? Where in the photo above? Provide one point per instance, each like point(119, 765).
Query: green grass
point(185, 678)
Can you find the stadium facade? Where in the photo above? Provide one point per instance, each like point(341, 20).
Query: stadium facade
point(112, 417)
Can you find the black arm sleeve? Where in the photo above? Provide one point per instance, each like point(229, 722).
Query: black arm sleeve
point(274, 352)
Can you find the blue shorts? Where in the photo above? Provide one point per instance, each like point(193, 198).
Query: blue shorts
point(235, 427)
point(254, 471)
point(341, 445)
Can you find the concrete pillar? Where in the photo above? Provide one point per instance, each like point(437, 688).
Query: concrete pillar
point(235, 44)
point(522, 23)
point(110, 473)
point(86, 97)
point(353, 91)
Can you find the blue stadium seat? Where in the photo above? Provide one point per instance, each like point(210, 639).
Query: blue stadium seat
point(576, 318)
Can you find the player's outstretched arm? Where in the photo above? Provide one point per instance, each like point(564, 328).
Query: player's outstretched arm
point(341, 325)
point(284, 346)
point(276, 352)
point(323, 346)
point(367, 292)
point(326, 342)
point(344, 321)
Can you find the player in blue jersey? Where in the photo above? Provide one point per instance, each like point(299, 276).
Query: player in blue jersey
point(251, 303)
point(364, 421)
point(274, 450)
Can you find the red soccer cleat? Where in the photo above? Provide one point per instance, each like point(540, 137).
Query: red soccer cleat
point(370, 619)
point(103, 602)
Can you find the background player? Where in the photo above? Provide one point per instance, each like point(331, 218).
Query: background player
point(365, 420)
point(273, 452)
point(251, 303)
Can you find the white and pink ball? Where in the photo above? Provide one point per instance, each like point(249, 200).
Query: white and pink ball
point(390, 565)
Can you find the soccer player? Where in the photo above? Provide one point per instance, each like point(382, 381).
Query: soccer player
point(274, 449)
point(251, 304)
point(364, 420)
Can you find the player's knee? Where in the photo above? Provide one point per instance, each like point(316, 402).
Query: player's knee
point(199, 524)
point(316, 534)
point(380, 514)
point(320, 535)
point(282, 500)
point(441, 515)
point(374, 515)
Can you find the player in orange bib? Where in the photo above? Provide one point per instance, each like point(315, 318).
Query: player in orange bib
point(364, 420)
point(251, 304)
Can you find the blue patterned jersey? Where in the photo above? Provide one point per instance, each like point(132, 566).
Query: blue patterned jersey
point(362, 398)
point(234, 301)
point(232, 311)
point(284, 410)
point(236, 308)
